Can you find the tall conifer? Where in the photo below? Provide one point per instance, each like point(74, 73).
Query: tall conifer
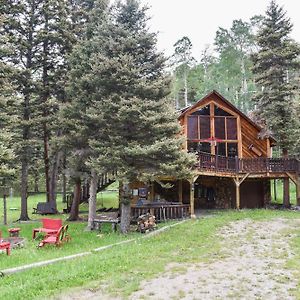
point(136, 127)
point(276, 57)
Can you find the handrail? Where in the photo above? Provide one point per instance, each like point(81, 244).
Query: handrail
point(217, 163)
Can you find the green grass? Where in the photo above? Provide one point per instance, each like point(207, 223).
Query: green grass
point(104, 199)
point(294, 262)
point(122, 268)
point(279, 192)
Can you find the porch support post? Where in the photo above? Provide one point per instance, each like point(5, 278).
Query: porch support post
point(180, 191)
point(238, 181)
point(192, 199)
point(151, 196)
point(298, 191)
point(237, 193)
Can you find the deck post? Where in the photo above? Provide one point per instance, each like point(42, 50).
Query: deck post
point(237, 192)
point(238, 181)
point(192, 199)
point(298, 191)
point(180, 191)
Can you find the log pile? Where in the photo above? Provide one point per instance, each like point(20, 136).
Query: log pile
point(146, 223)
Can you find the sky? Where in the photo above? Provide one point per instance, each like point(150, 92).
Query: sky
point(199, 19)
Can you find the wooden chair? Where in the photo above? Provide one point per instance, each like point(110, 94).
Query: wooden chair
point(50, 227)
point(65, 237)
point(55, 239)
point(4, 245)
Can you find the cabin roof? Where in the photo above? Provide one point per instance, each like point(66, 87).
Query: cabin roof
point(185, 110)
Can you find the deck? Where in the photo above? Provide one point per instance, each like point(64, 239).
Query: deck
point(214, 165)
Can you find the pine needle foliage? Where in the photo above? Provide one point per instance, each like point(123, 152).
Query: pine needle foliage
point(275, 60)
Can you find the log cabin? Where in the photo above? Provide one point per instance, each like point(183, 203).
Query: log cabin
point(234, 164)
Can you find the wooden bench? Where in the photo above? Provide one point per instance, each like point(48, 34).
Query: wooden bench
point(50, 226)
point(110, 217)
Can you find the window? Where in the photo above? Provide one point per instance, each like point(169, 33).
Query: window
point(204, 147)
point(203, 111)
point(199, 131)
point(193, 133)
point(232, 149)
point(221, 149)
point(220, 112)
point(204, 127)
point(220, 128)
point(231, 128)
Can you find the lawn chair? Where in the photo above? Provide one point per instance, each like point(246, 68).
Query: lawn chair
point(65, 237)
point(4, 245)
point(55, 239)
point(50, 227)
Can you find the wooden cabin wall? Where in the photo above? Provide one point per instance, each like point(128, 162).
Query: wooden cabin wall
point(250, 137)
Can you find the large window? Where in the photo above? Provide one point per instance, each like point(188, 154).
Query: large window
point(200, 135)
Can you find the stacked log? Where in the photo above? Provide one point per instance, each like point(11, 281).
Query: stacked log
point(146, 223)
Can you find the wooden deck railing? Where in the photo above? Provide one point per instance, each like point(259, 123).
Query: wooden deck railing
point(215, 163)
point(163, 212)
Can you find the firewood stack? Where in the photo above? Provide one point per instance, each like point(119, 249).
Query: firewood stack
point(146, 223)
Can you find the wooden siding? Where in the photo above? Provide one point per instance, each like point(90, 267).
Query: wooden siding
point(250, 137)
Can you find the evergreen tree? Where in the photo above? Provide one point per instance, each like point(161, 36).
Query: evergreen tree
point(137, 129)
point(82, 91)
point(7, 116)
point(20, 24)
point(276, 57)
point(183, 61)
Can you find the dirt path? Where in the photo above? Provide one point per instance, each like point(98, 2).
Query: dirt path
point(252, 266)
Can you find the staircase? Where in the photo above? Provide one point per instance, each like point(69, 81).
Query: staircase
point(105, 180)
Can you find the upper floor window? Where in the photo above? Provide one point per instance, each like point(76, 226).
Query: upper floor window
point(213, 122)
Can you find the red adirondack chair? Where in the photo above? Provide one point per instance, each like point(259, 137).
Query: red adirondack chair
point(50, 226)
point(4, 245)
point(57, 238)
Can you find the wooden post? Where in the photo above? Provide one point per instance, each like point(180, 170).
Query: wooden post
point(180, 191)
point(192, 199)
point(298, 191)
point(151, 196)
point(237, 194)
point(5, 209)
point(238, 182)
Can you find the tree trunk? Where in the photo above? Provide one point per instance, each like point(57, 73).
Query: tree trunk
point(286, 186)
point(125, 208)
point(74, 214)
point(24, 187)
point(54, 176)
point(25, 158)
point(185, 89)
point(92, 200)
point(46, 161)
point(64, 180)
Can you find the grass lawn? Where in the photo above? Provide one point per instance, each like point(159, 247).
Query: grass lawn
point(122, 268)
point(279, 192)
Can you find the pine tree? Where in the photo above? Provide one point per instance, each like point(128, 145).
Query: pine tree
point(7, 116)
point(136, 130)
point(82, 92)
point(276, 57)
point(20, 24)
